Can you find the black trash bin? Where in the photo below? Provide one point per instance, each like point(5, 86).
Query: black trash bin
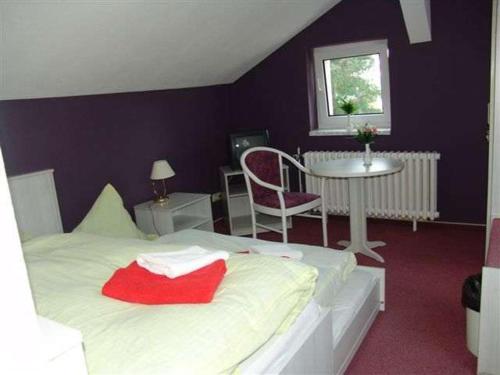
point(471, 300)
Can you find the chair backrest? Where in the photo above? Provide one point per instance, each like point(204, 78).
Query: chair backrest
point(263, 166)
point(266, 166)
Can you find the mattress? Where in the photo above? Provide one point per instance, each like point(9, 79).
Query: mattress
point(259, 297)
point(78, 257)
point(334, 266)
point(345, 306)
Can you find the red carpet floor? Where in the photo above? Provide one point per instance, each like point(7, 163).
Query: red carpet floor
point(422, 330)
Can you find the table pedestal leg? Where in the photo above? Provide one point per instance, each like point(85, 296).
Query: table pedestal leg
point(371, 244)
point(374, 244)
point(357, 217)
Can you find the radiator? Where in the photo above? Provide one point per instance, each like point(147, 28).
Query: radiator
point(410, 194)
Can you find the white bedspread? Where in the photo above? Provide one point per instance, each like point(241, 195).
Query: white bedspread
point(334, 266)
point(260, 296)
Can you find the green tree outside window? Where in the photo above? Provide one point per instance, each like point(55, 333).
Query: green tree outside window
point(356, 79)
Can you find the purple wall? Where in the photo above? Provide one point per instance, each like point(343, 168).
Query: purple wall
point(92, 140)
point(439, 96)
point(439, 92)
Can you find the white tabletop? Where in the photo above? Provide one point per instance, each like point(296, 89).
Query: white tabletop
point(349, 168)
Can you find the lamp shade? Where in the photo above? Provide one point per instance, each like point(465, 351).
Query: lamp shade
point(161, 170)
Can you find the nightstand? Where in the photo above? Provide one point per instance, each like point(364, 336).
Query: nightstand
point(183, 211)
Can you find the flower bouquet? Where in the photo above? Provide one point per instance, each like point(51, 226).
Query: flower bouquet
point(366, 135)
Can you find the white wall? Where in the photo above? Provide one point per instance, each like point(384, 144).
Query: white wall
point(20, 349)
point(494, 121)
point(489, 334)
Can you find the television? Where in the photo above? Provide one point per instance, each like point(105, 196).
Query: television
point(242, 141)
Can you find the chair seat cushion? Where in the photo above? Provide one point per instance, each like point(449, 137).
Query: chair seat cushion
point(291, 199)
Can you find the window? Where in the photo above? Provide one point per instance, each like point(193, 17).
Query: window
point(357, 73)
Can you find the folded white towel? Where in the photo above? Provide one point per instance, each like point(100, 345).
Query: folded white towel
point(177, 263)
point(278, 250)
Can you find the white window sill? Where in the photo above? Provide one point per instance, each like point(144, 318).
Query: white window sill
point(342, 132)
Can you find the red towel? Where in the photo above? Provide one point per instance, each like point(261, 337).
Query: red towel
point(138, 285)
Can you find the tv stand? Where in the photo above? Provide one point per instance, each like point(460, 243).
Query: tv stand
point(237, 204)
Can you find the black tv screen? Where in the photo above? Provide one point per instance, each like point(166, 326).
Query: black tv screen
point(245, 140)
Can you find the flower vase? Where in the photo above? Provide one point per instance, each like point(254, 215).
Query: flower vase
point(367, 160)
point(349, 126)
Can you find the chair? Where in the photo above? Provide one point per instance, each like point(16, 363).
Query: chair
point(263, 170)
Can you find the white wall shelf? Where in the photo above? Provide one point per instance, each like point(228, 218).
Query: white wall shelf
point(237, 204)
point(237, 190)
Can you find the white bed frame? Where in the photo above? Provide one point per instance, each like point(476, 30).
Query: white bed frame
point(317, 354)
point(35, 203)
point(37, 213)
point(350, 341)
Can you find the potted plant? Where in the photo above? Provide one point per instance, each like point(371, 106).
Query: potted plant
point(348, 106)
point(366, 135)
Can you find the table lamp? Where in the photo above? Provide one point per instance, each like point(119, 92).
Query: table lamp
point(160, 172)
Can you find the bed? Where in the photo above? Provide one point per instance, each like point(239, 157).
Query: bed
point(324, 336)
point(353, 304)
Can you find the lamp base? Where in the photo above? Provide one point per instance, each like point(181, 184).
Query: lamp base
point(161, 200)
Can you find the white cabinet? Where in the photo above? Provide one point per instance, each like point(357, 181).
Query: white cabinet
point(62, 347)
point(237, 203)
point(182, 211)
point(489, 325)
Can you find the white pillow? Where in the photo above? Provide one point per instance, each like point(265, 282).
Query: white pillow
point(108, 217)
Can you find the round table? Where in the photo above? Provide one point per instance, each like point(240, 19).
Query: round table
point(355, 171)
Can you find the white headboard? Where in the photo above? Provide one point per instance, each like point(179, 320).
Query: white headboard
point(35, 203)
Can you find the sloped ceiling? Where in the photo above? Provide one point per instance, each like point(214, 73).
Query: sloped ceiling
point(64, 48)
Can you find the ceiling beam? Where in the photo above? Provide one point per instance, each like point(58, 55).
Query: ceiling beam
point(417, 17)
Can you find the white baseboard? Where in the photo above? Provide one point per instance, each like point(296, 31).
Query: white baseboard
point(409, 221)
point(454, 223)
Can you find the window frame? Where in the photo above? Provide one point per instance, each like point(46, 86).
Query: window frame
point(336, 125)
